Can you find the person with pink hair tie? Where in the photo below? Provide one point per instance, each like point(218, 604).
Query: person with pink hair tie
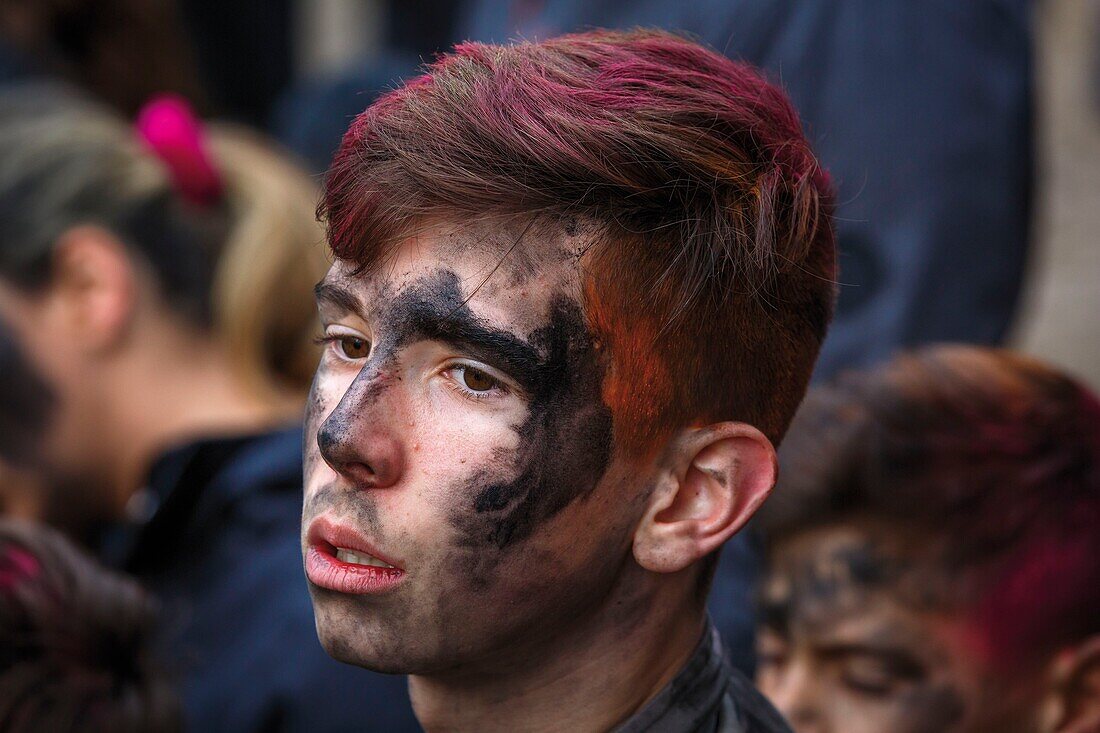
point(156, 285)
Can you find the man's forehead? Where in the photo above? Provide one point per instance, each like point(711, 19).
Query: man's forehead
point(845, 568)
point(512, 287)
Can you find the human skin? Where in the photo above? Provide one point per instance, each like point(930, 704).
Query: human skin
point(456, 430)
point(129, 379)
point(855, 637)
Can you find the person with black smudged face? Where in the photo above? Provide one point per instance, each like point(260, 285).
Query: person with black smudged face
point(933, 553)
point(552, 379)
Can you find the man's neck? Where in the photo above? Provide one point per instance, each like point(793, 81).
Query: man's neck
point(174, 401)
point(591, 678)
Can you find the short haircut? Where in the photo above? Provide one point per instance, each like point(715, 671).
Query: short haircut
point(989, 460)
point(74, 641)
point(712, 269)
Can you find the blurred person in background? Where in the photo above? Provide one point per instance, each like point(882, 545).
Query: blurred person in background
point(933, 552)
point(231, 59)
point(160, 287)
point(25, 401)
point(121, 51)
point(75, 642)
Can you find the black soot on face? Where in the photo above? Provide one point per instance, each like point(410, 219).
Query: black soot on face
point(357, 505)
point(831, 581)
point(565, 442)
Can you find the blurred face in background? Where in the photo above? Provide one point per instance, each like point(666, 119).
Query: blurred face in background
point(852, 641)
point(460, 497)
point(66, 336)
point(30, 483)
point(25, 401)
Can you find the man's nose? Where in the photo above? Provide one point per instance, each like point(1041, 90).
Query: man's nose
point(796, 698)
point(358, 440)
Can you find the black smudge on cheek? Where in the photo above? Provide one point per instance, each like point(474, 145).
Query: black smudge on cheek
point(930, 708)
point(565, 442)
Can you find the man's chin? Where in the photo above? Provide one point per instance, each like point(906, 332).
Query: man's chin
point(352, 637)
point(341, 647)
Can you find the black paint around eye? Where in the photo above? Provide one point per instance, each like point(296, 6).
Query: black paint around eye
point(433, 309)
point(565, 442)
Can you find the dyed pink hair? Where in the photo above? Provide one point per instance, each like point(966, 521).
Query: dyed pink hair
point(712, 281)
point(989, 460)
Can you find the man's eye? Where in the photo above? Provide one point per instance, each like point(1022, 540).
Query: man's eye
point(353, 347)
point(770, 659)
point(872, 677)
point(477, 380)
point(771, 650)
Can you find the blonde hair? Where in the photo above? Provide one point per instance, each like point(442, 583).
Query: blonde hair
point(262, 290)
point(243, 269)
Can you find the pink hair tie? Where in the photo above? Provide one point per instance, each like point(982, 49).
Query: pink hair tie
point(171, 130)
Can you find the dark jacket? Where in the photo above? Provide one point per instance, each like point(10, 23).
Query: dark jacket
point(707, 696)
point(220, 548)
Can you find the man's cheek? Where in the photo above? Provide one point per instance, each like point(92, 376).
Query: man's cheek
point(452, 452)
point(930, 707)
point(323, 399)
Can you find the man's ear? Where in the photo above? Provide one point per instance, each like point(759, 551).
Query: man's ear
point(1075, 695)
point(712, 481)
point(93, 286)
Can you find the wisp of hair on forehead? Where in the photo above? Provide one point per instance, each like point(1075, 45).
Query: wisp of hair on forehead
point(710, 278)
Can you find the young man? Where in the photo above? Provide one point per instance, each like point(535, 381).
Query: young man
point(934, 553)
point(578, 292)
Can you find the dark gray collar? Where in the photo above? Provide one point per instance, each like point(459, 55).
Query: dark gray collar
point(706, 696)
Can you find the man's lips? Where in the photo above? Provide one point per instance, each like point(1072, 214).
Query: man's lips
point(338, 558)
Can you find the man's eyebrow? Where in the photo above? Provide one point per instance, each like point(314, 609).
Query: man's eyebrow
point(340, 297)
point(497, 347)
